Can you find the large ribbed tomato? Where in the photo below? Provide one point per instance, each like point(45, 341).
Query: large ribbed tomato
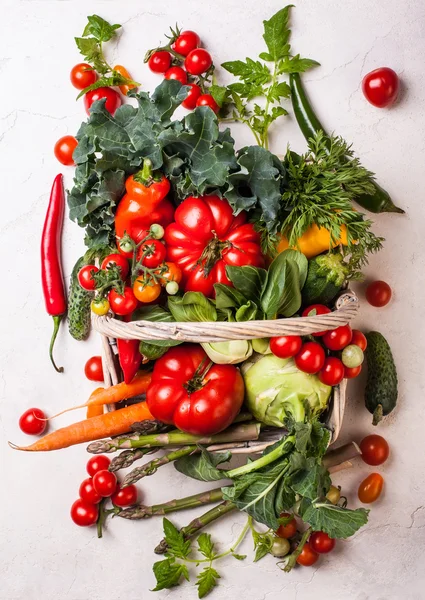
point(189, 391)
point(206, 237)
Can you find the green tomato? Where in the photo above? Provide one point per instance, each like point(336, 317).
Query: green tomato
point(157, 231)
point(352, 356)
point(280, 547)
point(172, 288)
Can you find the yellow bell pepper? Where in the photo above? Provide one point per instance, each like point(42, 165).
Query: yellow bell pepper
point(314, 241)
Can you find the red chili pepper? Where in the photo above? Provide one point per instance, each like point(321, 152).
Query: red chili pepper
point(130, 358)
point(51, 267)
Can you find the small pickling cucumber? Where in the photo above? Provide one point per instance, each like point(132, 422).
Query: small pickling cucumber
point(79, 313)
point(381, 387)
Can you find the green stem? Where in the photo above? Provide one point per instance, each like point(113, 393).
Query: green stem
point(291, 560)
point(151, 467)
point(265, 137)
point(57, 321)
point(144, 176)
point(263, 461)
point(101, 518)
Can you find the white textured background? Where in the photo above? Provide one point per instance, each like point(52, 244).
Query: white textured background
point(43, 555)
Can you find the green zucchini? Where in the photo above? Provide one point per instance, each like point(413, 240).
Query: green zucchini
point(326, 275)
point(79, 304)
point(381, 387)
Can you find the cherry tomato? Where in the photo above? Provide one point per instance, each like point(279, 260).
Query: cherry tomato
point(352, 373)
point(123, 304)
point(83, 513)
point(286, 346)
point(105, 483)
point(125, 497)
point(173, 273)
point(176, 73)
point(208, 100)
point(172, 288)
point(125, 248)
point(332, 372)
point(97, 463)
point(308, 556)
point(186, 42)
point(352, 356)
point(280, 547)
point(88, 493)
point(64, 149)
point(113, 99)
point(192, 96)
point(85, 277)
point(100, 306)
point(321, 543)
point(82, 75)
point(93, 369)
point(120, 261)
point(151, 253)
point(289, 530)
point(338, 338)
point(160, 61)
point(359, 339)
point(310, 358)
point(370, 488)
point(314, 310)
point(146, 291)
point(380, 87)
point(378, 293)
point(198, 61)
point(334, 494)
point(32, 423)
point(375, 449)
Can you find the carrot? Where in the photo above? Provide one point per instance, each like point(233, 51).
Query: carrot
point(109, 424)
point(115, 393)
point(94, 410)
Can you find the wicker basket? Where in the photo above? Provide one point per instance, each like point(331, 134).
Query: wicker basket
point(346, 308)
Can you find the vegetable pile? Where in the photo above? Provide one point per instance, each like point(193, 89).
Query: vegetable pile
point(181, 226)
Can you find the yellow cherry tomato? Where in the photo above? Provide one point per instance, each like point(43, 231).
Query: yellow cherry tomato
point(100, 306)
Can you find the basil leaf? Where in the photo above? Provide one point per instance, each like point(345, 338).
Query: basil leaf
point(282, 292)
point(248, 280)
point(277, 33)
point(301, 260)
point(193, 306)
point(203, 466)
point(290, 300)
point(336, 521)
point(168, 573)
point(228, 297)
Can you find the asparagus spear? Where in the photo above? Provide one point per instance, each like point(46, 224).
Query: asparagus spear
point(151, 467)
point(128, 457)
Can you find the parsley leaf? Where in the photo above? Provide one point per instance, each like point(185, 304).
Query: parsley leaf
point(206, 581)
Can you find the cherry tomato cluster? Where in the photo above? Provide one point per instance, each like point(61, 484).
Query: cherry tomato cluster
point(315, 357)
point(184, 60)
point(100, 484)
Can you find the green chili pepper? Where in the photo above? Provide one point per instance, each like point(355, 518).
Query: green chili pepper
point(377, 202)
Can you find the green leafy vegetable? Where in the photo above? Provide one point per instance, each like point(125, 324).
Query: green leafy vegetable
point(168, 573)
point(203, 466)
point(193, 306)
point(336, 521)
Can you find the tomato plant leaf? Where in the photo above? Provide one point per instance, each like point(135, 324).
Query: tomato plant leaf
point(176, 544)
point(168, 573)
point(277, 34)
point(262, 543)
point(100, 29)
point(296, 64)
point(206, 545)
point(206, 581)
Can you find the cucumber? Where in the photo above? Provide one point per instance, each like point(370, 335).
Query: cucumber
point(381, 387)
point(326, 275)
point(79, 300)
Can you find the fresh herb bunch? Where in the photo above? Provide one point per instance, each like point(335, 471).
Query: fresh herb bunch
point(259, 80)
point(96, 32)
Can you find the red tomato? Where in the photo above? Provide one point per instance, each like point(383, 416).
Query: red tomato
point(320, 542)
point(206, 237)
point(370, 488)
point(88, 493)
point(113, 99)
point(176, 73)
point(85, 277)
point(83, 513)
point(289, 530)
point(64, 149)
point(192, 96)
point(338, 338)
point(192, 393)
point(120, 261)
point(308, 556)
point(186, 42)
point(208, 100)
point(381, 86)
point(93, 369)
point(82, 75)
point(286, 346)
point(375, 449)
point(359, 339)
point(32, 423)
point(198, 61)
point(314, 310)
point(352, 373)
point(125, 497)
point(310, 358)
point(97, 463)
point(378, 293)
point(124, 304)
point(129, 220)
point(332, 372)
point(160, 61)
point(151, 253)
point(105, 483)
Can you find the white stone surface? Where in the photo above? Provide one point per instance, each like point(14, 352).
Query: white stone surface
point(43, 555)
